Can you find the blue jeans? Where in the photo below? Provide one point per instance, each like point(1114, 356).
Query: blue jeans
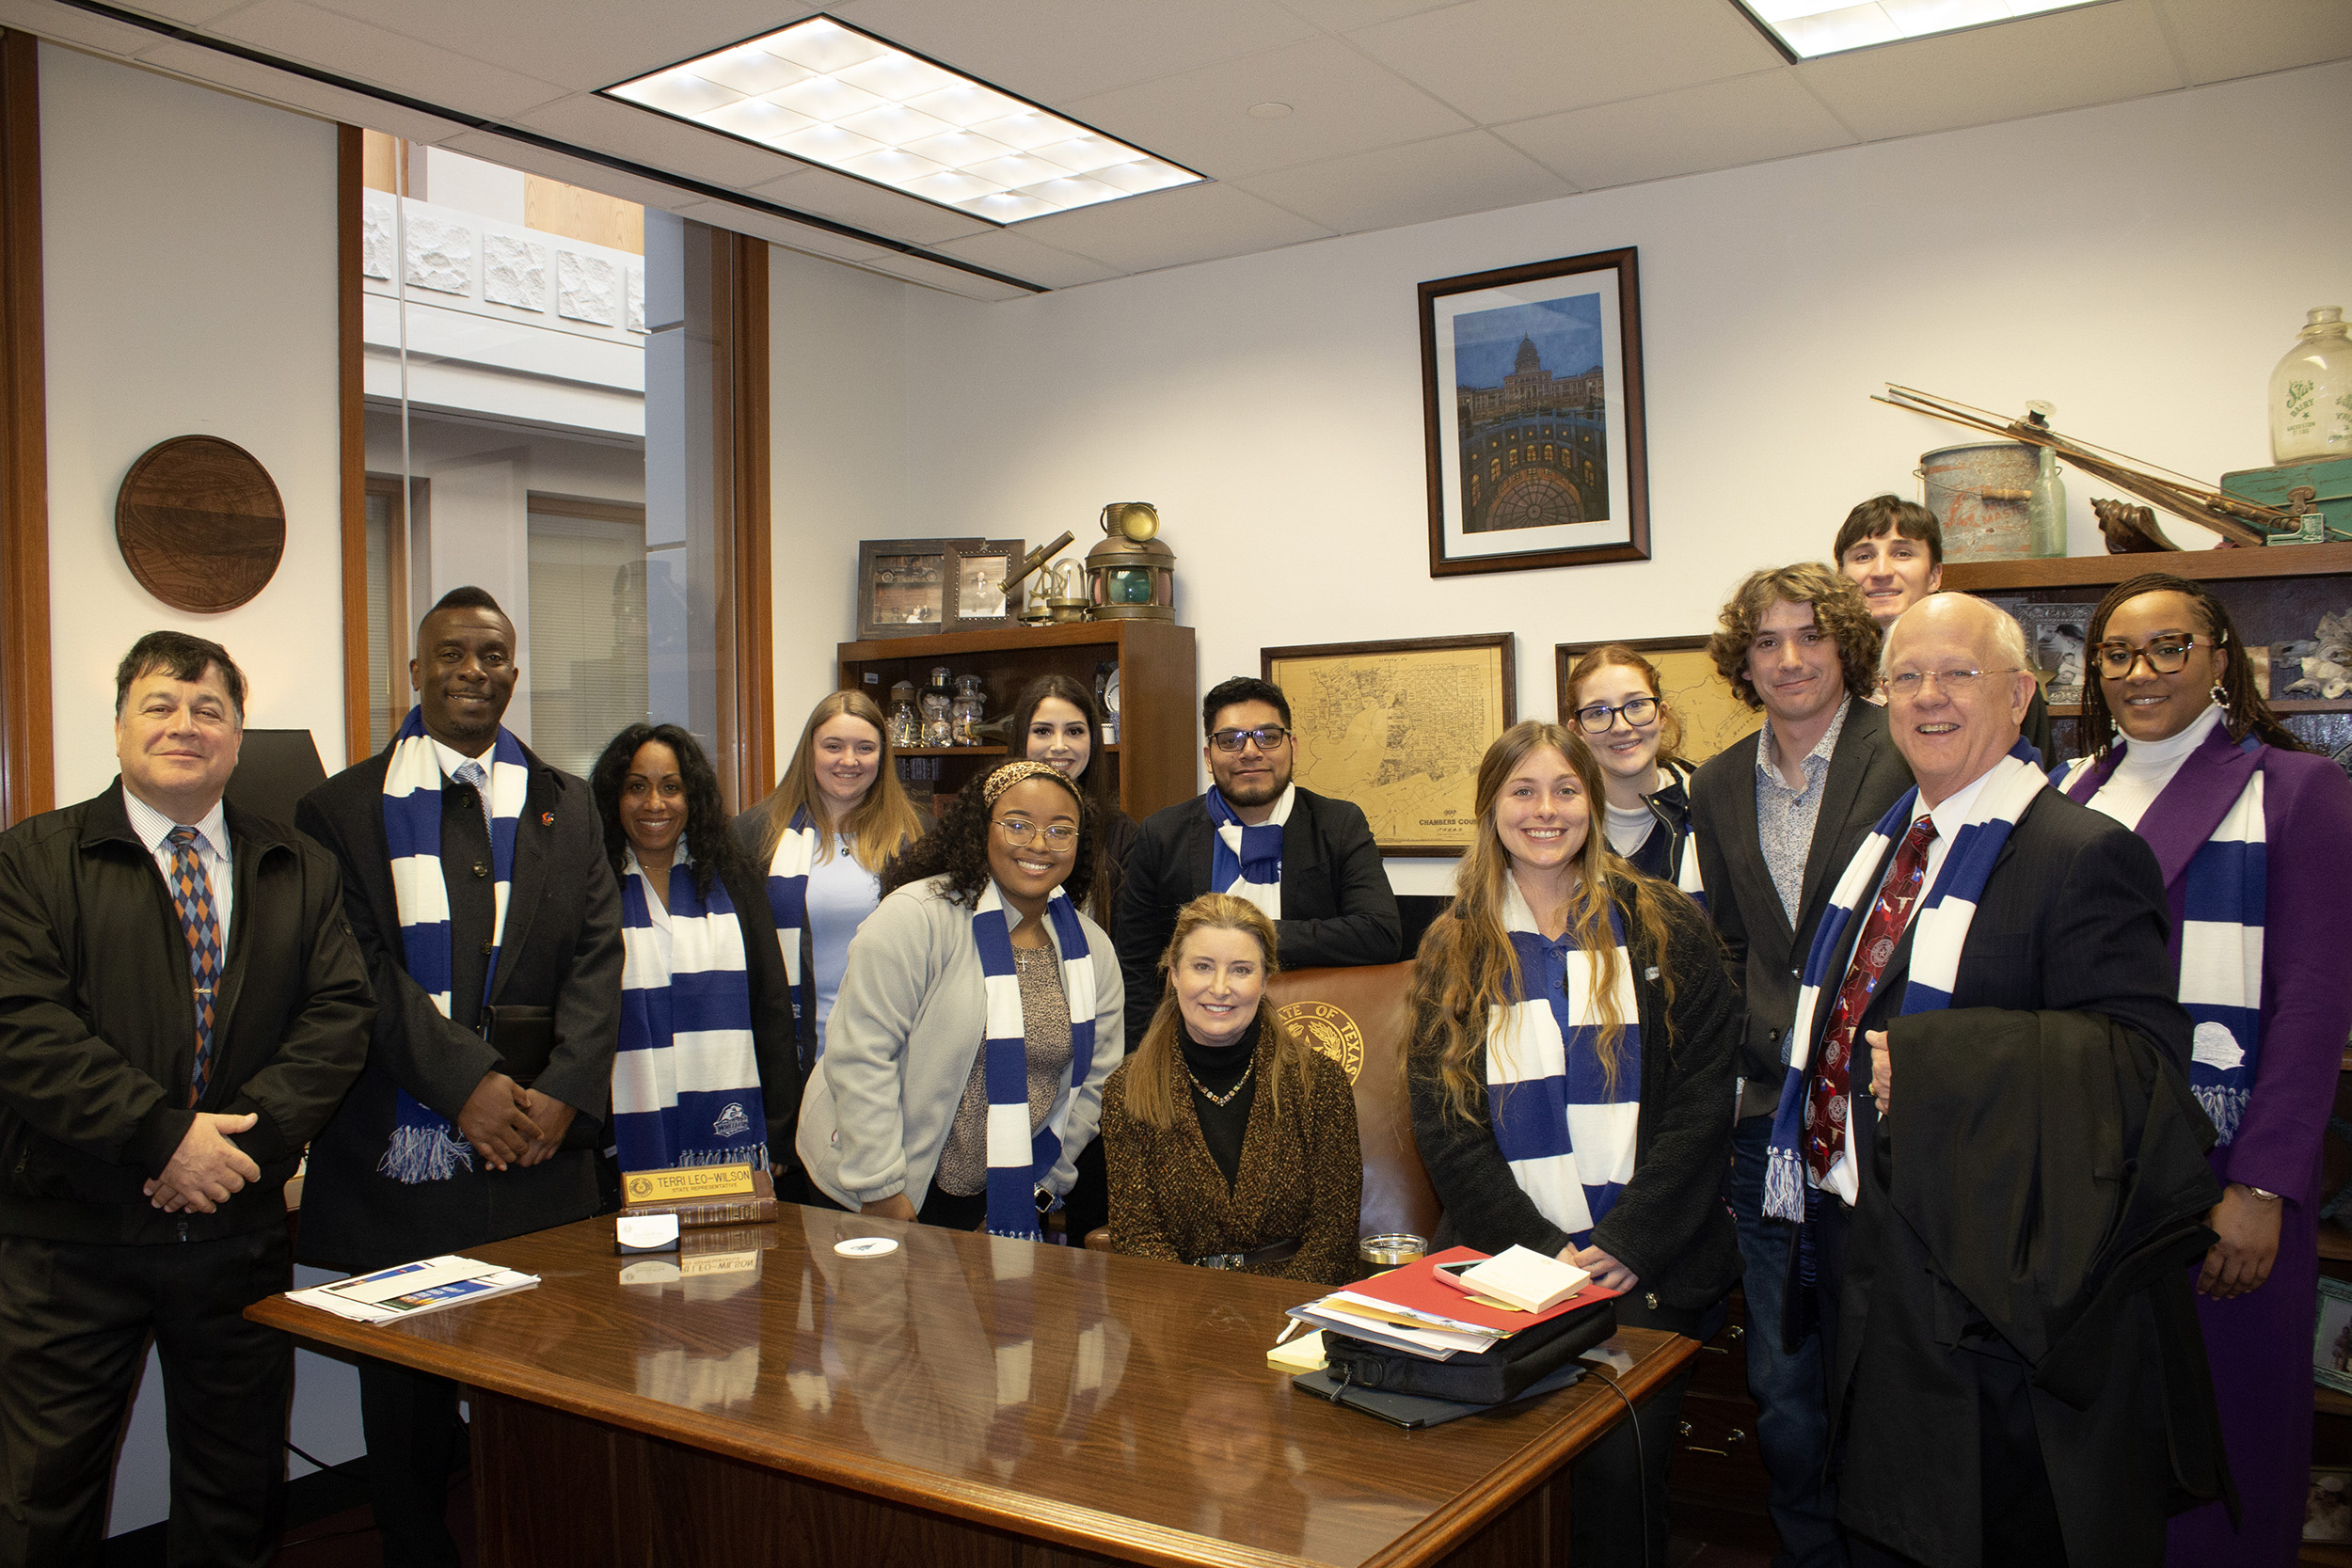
point(1791, 1390)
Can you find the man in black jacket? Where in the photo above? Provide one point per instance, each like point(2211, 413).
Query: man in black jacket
point(1308, 861)
point(480, 1109)
point(182, 1006)
point(1775, 819)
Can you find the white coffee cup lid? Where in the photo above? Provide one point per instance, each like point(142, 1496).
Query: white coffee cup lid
point(867, 1246)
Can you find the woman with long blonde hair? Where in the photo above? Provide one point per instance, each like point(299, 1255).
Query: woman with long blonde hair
point(1570, 1079)
point(1231, 1141)
point(822, 840)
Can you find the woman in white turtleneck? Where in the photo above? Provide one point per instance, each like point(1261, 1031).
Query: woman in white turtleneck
point(2254, 836)
point(1613, 694)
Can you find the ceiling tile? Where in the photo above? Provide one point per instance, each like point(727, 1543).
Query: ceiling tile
point(656, 141)
point(2032, 66)
point(444, 77)
point(2221, 38)
point(1055, 50)
point(1747, 119)
point(782, 231)
point(63, 24)
point(1472, 172)
point(1016, 256)
point(1340, 101)
point(954, 280)
point(1500, 61)
point(578, 43)
point(1167, 228)
point(190, 13)
point(1341, 15)
point(271, 86)
point(847, 201)
point(584, 172)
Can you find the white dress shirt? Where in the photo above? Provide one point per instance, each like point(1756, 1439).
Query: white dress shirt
point(211, 852)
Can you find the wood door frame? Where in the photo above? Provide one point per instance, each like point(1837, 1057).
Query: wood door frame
point(27, 742)
point(352, 426)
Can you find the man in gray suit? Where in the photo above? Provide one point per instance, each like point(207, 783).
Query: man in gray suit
point(1775, 821)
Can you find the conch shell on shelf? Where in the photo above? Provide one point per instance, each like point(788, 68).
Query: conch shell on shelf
point(2130, 529)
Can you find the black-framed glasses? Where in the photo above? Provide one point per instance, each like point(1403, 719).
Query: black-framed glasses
point(2166, 655)
point(1268, 737)
point(1640, 714)
point(1955, 683)
point(1060, 835)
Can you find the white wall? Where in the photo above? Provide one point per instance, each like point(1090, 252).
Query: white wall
point(188, 252)
point(188, 247)
point(839, 456)
point(2141, 265)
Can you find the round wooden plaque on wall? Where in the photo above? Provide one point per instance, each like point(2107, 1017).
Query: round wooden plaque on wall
point(200, 523)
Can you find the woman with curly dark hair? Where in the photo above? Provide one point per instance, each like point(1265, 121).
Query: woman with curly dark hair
point(706, 1067)
point(2185, 752)
point(979, 1016)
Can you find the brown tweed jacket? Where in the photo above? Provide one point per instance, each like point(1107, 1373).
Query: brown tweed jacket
point(1301, 1174)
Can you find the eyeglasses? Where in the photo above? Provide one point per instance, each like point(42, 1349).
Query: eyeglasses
point(1268, 738)
point(1955, 684)
point(1640, 712)
point(2166, 655)
point(1059, 836)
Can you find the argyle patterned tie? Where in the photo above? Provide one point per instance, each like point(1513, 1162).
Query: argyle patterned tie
point(192, 895)
point(1825, 1109)
point(471, 772)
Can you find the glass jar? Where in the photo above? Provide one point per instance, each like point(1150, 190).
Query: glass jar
point(2311, 392)
point(906, 724)
point(968, 709)
point(938, 709)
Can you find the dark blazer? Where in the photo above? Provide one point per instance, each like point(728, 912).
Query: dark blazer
point(1338, 911)
point(97, 1035)
point(561, 950)
point(1669, 1224)
point(1866, 775)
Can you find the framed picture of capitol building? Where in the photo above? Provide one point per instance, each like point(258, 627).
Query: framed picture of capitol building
point(1531, 395)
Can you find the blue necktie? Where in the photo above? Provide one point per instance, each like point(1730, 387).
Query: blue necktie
point(471, 772)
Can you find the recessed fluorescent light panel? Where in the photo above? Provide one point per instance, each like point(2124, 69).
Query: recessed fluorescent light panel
point(1811, 27)
point(835, 96)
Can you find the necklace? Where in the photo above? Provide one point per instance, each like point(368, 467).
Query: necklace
point(1221, 1101)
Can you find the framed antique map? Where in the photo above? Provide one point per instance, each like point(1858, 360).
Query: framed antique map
point(1398, 729)
point(1694, 693)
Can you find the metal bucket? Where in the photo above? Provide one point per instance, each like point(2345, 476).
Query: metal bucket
point(1982, 496)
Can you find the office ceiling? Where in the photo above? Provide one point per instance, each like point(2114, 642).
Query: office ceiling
point(1400, 111)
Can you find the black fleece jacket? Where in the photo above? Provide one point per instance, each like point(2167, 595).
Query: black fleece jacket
point(1669, 1224)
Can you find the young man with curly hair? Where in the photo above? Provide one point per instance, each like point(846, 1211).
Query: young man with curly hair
point(1774, 822)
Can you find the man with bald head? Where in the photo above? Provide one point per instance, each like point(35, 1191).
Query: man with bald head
point(2000, 1245)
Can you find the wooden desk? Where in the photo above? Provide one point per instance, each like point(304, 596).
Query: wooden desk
point(961, 1401)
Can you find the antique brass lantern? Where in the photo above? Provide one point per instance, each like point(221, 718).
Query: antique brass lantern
point(1131, 576)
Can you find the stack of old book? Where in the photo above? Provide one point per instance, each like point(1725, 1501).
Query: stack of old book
point(1454, 1302)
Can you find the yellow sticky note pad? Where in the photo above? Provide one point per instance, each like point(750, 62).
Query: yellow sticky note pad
point(1302, 1355)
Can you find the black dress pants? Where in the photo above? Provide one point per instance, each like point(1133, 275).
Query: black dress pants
point(75, 1322)
point(415, 1440)
point(1617, 1487)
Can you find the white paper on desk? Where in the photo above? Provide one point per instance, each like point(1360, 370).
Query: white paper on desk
point(410, 1290)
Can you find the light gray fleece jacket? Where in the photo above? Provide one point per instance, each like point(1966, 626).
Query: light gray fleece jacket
point(910, 1022)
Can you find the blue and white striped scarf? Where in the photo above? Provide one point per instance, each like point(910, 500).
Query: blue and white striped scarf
point(1938, 931)
point(2218, 942)
point(1017, 1161)
point(788, 899)
point(685, 1078)
point(1570, 1143)
point(1245, 860)
point(424, 1147)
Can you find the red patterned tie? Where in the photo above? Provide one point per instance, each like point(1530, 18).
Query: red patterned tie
point(1825, 1108)
point(192, 895)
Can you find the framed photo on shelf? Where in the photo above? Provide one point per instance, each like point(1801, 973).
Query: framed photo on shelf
point(1532, 402)
point(906, 587)
point(978, 569)
point(1398, 728)
point(2331, 1343)
point(1707, 716)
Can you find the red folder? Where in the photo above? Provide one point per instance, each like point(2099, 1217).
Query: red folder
point(1416, 1286)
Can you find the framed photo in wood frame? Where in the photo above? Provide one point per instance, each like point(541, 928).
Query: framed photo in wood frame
point(1702, 713)
point(977, 570)
point(2332, 1339)
point(1398, 729)
point(1532, 406)
point(906, 587)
